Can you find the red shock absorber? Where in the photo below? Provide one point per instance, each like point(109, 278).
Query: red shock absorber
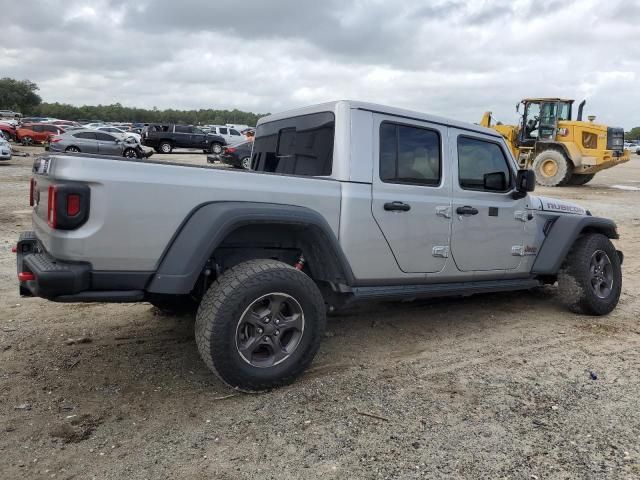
point(300, 263)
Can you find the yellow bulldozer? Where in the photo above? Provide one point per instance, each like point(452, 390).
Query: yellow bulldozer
point(560, 150)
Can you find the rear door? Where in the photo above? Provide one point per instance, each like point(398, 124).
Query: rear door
point(411, 199)
point(235, 137)
point(198, 138)
point(182, 136)
point(108, 144)
point(488, 230)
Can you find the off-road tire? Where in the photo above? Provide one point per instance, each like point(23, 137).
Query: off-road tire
point(574, 277)
point(215, 148)
point(221, 310)
point(165, 147)
point(174, 304)
point(581, 179)
point(558, 175)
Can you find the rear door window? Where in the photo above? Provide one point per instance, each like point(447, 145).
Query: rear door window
point(182, 129)
point(223, 131)
point(300, 145)
point(105, 137)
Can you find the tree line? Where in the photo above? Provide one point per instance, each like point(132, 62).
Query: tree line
point(22, 96)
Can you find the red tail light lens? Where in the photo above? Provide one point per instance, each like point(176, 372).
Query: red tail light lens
point(55, 139)
point(52, 215)
point(73, 205)
point(229, 150)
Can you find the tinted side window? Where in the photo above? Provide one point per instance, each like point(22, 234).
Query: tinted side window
point(182, 129)
point(223, 131)
point(50, 128)
point(479, 158)
point(86, 135)
point(409, 155)
point(234, 132)
point(300, 145)
point(37, 128)
point(105, 137)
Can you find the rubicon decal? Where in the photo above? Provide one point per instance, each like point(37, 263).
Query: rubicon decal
point(562, 207)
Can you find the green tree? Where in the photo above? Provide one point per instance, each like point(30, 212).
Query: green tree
point(19, 95)
point(633, 134)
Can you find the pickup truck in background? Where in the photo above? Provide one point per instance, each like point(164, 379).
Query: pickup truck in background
point(349, 201)
point(163, 138)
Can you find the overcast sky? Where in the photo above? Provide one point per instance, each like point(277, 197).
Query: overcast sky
point(452, 58)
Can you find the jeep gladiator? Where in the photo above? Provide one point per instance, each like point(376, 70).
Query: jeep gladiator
point(348, 201)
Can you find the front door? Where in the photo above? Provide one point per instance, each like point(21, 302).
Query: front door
point(108, 144)
point(488, 230)
point(198, 138)
point(411, 199)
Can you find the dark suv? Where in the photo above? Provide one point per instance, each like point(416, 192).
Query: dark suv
point(165, 137)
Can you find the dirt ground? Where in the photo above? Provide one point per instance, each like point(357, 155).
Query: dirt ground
point(498, 386)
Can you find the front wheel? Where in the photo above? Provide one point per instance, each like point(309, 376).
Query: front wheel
point(259, 325)
point(590, 279)
point(130, 153)
point(72, 149)
point(27, 140)
point(215, 148)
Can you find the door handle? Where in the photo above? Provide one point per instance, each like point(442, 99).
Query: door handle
point(466, 210)
point(397, 206)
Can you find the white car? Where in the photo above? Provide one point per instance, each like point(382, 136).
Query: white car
point(5, 149)
point(110, 129)
point(230, 135)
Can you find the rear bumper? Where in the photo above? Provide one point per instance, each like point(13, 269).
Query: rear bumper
point(42, 275)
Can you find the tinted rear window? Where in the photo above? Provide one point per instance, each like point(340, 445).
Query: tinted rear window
point(296, 146)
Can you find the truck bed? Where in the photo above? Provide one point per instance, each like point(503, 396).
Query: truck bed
point(137, 206)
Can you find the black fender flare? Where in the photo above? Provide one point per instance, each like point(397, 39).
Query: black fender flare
point(209, 224)
point(562, 234)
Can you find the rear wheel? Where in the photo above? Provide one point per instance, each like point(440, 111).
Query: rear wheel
point(27, 140)
point(590, 279)
point(552, 168)
point(260, 324)
point(165, 147)
point(581, 179)
point(246, 163)
point(72, 149)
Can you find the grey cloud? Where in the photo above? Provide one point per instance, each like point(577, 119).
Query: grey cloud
point(449, 57)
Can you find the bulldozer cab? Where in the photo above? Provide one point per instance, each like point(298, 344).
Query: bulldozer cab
point(540, 119)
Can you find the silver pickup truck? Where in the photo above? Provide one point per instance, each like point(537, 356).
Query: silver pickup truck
point(347, 201)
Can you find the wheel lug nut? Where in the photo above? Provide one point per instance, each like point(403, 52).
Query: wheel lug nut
point(267, 320)
point(259, 330)
point(276, 333)
point(276, 321)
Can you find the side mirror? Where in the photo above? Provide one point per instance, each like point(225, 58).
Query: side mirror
point(495, 181)
point(525, 183)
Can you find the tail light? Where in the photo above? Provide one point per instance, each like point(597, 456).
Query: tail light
point(55, 139)
point(229, 150)
point(68, 206)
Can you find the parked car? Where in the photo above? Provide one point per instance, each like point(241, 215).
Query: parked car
point(32, 133)
point(408, 205)
point(95, 125)
point(5, 149)
point(25, 120)
point(238, 156)
point(7, 131)
point(66, 123)
point(92, 141)
point(230, 135)
point(164, 138)
point(110, 129)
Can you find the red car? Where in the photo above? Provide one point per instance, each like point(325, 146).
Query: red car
point(37, 132)
point(7, 131)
